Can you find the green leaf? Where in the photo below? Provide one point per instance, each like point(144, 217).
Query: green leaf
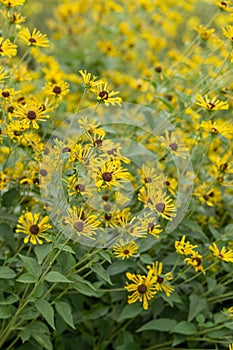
point(167, 104)
point(26, 278)
point(4, 312)
point(46, 311)
point(195, 228)
point(29, 313)
point(65, 248)
point(196, 306)
point(185, 327)
point(56, 277)
point(10, 300)
point(177, 339)
point(6, 272)
point(99, 270)
point(24, 335)
point(10, 198)
point(42, 251)
point(130, 311)
point(7, 233)
point(161, 324)
point(106, 255)
point(84, 287)
point(31, 265)
point(65, 312)
point(146, 259)
point(43, 340)
point(118, 267)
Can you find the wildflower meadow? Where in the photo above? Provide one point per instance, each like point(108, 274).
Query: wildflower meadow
point(116, 175)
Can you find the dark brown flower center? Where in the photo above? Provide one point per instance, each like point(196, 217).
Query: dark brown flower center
point(98, 143)
point(167, 183)
point(160, 207)
point(31, 115)
point(66, 149)
point(103, 95)
point(80, 188)
point(198, 261)
point(151, 226)
point(57, 90)
point(107, 207)
point(108, 216)
point(43, 172)
point(5, 94)
point(36, 181)
point(112, 151)
point(211, 105)
point(173, 146)
point(142, 289)
point(160, 279)
point(214, 130)
point(21, 100)
point(10, 109)
point(106, 176)
point(224, 166)
point(149, 201)
point(34, 229)
point(32, 40)
point(158, 69)
point(79, 226)
point(126, 252)
point(148, 180)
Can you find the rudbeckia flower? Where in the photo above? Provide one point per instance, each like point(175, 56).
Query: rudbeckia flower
point(35, 229)
point(36, 38)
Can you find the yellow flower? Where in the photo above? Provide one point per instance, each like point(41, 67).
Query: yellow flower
point(158, 202)
point(149, 175)
point(105, 96)
point(130, 224)
point(125, 250)
point(228, 32)
point(110, 174)
point(34, 228)
point(204, 33)
point(59, 89)
point(222, 254)
point(83, 224)
point(15, 18)
point(174, 144)
point(143, 288)
point(218, 127)
point(7, 94)
point(161, 279)
point(211, 104)
point(224, 5)
point(196, 261)
point(150, 226)
point(3, 74)
point(230, 311)
point(184, 248)
point(7, 48)
point(231, 347)
point(12, 3)
point(88, 80)
point(31, 113)
point(208, 196)
point(36, 38)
